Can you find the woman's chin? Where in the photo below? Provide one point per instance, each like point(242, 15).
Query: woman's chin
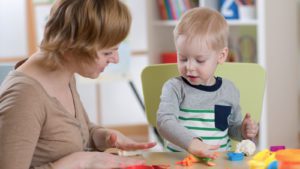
point(95, 76)
point(91, 76)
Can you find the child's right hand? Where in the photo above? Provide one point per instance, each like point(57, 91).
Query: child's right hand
point(200, 149)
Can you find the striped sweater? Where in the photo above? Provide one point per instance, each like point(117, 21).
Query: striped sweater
point(211, 113)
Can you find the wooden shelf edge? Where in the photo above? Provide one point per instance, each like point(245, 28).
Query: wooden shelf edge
point(230, 22)
point(12, 59)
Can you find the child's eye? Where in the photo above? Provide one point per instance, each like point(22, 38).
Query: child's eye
point(183, 59)
point(200, 61)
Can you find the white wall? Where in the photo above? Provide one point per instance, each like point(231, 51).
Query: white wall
point(138, 32)
point(13, 28)
point(282, 62)
point(118, 102)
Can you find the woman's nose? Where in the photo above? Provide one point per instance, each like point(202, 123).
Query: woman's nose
point(115, 58)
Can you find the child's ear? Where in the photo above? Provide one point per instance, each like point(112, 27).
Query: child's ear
point(223, 55)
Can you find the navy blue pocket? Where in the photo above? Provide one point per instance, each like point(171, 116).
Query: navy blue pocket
point(221, 115)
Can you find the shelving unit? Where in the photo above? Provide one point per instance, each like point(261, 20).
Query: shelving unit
point(160, 33)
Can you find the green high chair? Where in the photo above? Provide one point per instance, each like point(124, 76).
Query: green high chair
point(249, 78)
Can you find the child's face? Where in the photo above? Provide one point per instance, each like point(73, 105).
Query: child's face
point(197, 63)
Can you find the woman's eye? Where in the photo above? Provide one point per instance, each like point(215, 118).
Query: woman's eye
point(107, 53)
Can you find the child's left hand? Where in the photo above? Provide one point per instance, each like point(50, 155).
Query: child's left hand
point(249, 127)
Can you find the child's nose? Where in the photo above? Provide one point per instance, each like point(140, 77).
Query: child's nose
point(190, 66)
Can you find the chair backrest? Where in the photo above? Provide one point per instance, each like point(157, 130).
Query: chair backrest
point(4, 70)
point(249, 78)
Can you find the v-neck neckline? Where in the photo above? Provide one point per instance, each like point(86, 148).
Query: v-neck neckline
point(51, 97)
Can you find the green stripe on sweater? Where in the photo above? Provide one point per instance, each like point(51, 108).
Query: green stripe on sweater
point(196, 119)
point(214, 138)
point(202, 128)
point(171, 149)
point(196, 111)
point(225, 145)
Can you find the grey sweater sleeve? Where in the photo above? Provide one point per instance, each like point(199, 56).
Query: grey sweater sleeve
point(167, 115)
point(235, 118)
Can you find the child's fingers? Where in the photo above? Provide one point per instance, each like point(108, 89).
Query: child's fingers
point(210, 153)
point(249, 127)
point(250, 135)
point(252, 126)
point(214, 147)
point(248, 116)
point(205, 154)
point(251, 132)
point(247, 120)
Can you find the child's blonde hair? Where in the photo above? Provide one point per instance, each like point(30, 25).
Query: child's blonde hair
point(82, 27)
point(207, 25)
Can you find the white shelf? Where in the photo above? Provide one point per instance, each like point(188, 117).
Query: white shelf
point(230, 22)
point(165, 23)
point(242, 22)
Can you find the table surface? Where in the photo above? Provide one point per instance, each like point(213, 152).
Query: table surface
point(170, 158)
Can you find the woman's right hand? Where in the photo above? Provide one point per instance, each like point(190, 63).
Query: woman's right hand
point(95, 160)
point(200, 149)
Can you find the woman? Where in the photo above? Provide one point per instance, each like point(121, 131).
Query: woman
point(42, 121)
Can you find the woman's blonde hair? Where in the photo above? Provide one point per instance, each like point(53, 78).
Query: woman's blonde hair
point(207, 25)
point(82, 27)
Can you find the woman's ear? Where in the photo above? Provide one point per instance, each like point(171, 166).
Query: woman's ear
point(222, 56)
point(67, 55)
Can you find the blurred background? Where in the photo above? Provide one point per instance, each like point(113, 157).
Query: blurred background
point(263, 32)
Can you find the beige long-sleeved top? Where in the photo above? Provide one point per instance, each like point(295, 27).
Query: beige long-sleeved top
point(35, 129)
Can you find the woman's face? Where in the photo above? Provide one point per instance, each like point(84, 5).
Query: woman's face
point(104, 57)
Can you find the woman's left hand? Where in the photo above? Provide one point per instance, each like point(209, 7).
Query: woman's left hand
point(120, 141)
point(107, 138)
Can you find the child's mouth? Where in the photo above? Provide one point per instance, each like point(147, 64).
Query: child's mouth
point(192, 78)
